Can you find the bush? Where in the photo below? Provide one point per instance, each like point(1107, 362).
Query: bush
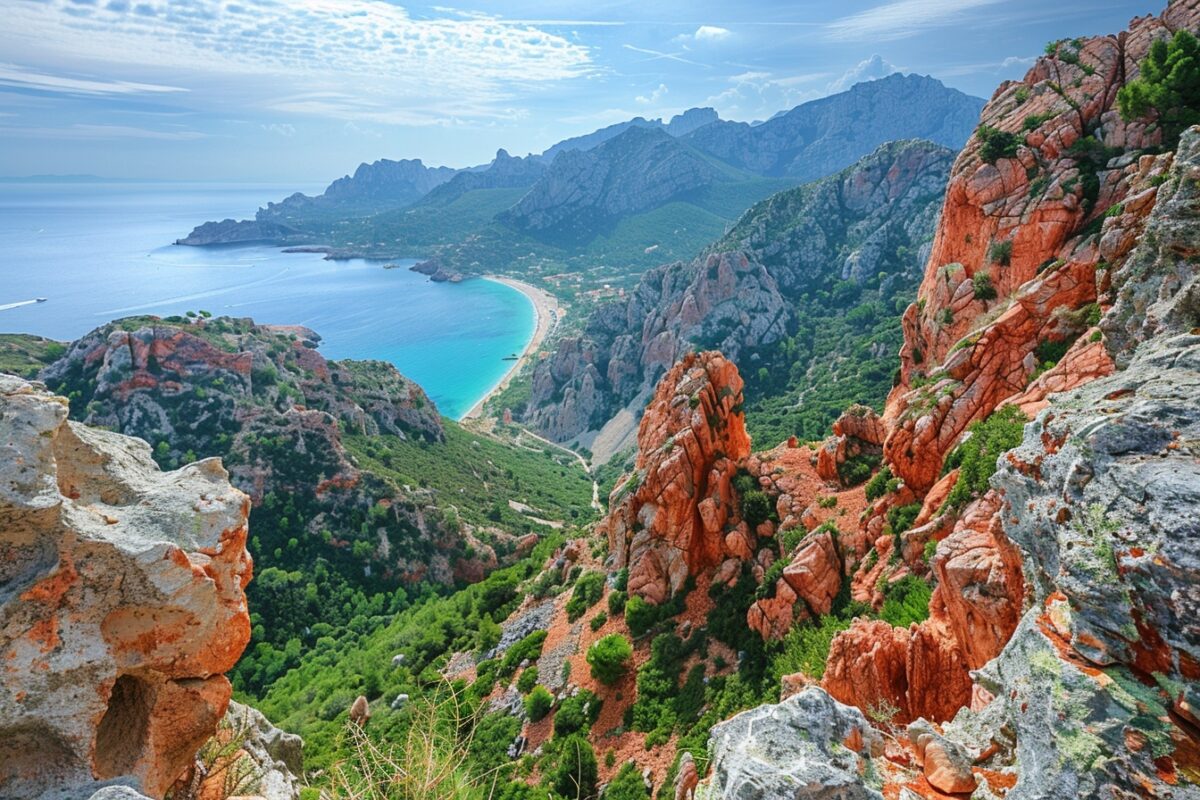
point(901, 518)
point(1168, 83)
point(881, 484)
point(616, 602)
point(906, 601)
point(576, 772)
point(528, 680)
point(609, 658)
point(538, 703)
point(981, 283)
point(1001, 253)
point(587, 592)
point(756, 507)
point(598, 621)
point(976, 457)
point(628, 785)
point(996, 144)
point(858, 469)
point(576, 713)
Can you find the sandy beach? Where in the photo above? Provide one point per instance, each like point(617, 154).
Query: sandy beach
point(548, 312)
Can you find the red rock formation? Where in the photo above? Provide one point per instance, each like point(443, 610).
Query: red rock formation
point(1024, 223)
point(669, 518)
point(857, 431)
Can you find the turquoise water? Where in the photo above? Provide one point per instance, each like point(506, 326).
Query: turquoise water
point(102, 251)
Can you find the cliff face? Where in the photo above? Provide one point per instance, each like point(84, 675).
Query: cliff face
point(669, 518)
point(823, 136)
point(123, 602)
point(640, 169)
point(740, 294)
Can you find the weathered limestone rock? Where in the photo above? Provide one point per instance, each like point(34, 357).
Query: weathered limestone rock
point(808, 746)
point(123, 601)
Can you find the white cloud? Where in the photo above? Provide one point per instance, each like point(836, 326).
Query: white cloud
point(396, 66)
point(711, 33)
point(869, 69)
point(282, 129)
point(87, 131)
point(24, 78)
point(705, 34)
point(1018, 61)
point(900, 19)
point(654, 97)
point(759, 95)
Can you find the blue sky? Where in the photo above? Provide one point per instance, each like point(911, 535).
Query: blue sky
point(303, 90)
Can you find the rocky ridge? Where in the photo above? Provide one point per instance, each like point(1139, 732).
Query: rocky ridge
point(738, 295)
point(252, 393)
point(824, 136)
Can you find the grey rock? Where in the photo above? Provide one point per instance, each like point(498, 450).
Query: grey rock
point(278, 756)
point(794, 750)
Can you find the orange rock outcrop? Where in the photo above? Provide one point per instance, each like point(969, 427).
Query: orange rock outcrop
point(676, 515)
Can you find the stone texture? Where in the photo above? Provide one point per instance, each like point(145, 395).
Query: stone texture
point(123, 601)
point(808, 747)
point(668, 519)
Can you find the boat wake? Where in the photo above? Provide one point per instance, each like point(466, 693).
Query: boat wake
point(7, 306)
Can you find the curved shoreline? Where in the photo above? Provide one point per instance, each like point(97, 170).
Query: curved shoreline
point(547, 312)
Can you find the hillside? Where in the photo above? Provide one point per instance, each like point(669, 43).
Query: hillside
point(358, 485)
point(804, 291)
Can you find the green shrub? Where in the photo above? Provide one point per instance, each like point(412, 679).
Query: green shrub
point(627, 785)
point(905, 601)
point(996, 144)
point(642, 617)
point(528, 648)
point(538, 703)
point(528, 680)
point(981, 283)
point(883, 483)
point(857, 469)
point(976, 457)
point(901, 518)
point(609, 658)
point(1001, 253)
point(589, 588)
point(1168, 83)
point(806, 647)
point(756, 507)
point(616, 602)
point(576, 713)
point(598, 621)
point(770, 578)
point(576, 771)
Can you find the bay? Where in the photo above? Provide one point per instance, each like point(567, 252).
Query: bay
point(101, 251)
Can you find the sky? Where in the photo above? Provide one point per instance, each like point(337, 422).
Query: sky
point(302, 91)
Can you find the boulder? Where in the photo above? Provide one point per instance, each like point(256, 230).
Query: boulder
point(124, 601)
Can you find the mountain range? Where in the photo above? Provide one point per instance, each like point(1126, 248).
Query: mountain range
point(632, 194)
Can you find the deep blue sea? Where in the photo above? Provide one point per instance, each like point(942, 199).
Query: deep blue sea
point(99, 251)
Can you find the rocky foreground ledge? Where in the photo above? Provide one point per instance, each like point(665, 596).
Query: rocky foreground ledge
point(121, 603)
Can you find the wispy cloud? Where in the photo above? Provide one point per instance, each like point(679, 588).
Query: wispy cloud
point(395, 62)
point(285, 129)
point(901, 19)
point(88, 131)
point(657, 54)
point(25, 78)
point(653, 97)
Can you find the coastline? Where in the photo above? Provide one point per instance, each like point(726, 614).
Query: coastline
point(547, 311)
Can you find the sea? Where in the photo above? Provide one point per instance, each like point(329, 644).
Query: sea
point(100, 251)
